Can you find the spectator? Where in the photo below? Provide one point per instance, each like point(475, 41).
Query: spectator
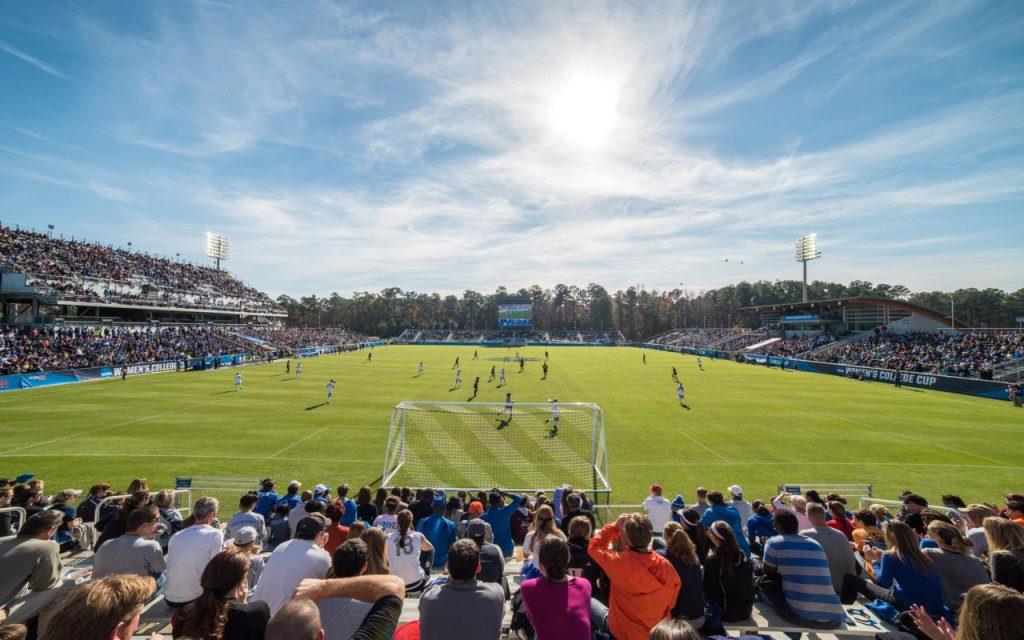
point(422, 506)
point(798, 505)
point(307, 507)
point(838, 521)
point(71, 534)
point(116, 526)
point(1015, 511)
point(574, 509)
point(134, 552)
point(349, 513)
point(279, 530)
point(581, 565)
point(299, 558)
point(658, 509)
point(835, 545)
point(728, 575)
point(454, 511)
point(499, 516)
point(377, 548)
point(759, 526)
point(800, 585)
point(557, 604)
point(365, 509)
point(404, 547)
point(913, 505)
point(543, 526)
point(690, 519)
point(87, 510)
point(683, 557)
point(388, 521)
point(247, 541)
point(462, 607)
point(341, 616)
point(222, 611)
point(958, 569)
point(355, 532)
point(474, 512)
point(188, 553)
point(643, 584)
point(492, 560)
point(322, 494)
point(291, 499)
point(266, 498)
point(744, 508)
point(107, 609)
point(702, 501)
point(1005, 552)
point(297, 620)
point(171, 521)
point(866, 531)
point(337, 533)
point(721, 511)
point(383, 593)
point(13, 631)
point(439, 530)
point(521, 521)
point(32, 558)
point(990, 612)
point(247, 517)
point(974, 516)
point(904, 575)
point(674, 629)
point(6, 527)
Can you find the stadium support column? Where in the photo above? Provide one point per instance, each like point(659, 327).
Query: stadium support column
point(805, 280)
point(806, 249)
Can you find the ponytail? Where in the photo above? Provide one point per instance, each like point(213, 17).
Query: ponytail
point(404, 525)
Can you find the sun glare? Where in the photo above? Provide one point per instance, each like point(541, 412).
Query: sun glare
point(583, 111)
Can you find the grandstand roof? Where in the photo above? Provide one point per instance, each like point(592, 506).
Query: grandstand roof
point(816, 305)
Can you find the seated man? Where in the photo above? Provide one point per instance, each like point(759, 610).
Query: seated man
point(384, 593)
point(247, 517)
point(462, 607)
point(32, 559)
point(721, 511)
point(835, 545)
point(188, 553)
point(801, 588)
point(108, 608)
point(341, 616)
point(297, 559)
point(134, 552)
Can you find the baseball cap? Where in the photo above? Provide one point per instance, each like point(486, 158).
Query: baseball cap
point(438, 501)
point(656, 488)
point(475, 508)
point(736, 490)
point(67, 494)
point(246, 535)
point(678, 503)
point(476, 528)
point(311, 525)
point(25, 477)
point(320, 489)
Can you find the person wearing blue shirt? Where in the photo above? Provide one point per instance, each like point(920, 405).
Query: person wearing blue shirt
point(718, 510)
point(267, 499)
point(350, 506)
point(499, 516)
point(759, 526)
point(291, 499)
point(439, 530)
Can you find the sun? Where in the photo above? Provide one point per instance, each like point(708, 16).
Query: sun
point(583, 111)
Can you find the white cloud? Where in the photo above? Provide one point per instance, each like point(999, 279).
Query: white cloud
point(32, 60)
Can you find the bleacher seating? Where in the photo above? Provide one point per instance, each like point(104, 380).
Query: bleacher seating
point(546, 336)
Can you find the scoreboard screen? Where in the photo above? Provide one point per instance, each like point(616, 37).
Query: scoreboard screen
point(515, 316)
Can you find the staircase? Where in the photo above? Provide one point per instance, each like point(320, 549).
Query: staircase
point(1012, 371)
point(754, 347)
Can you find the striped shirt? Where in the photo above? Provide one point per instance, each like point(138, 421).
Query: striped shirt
point(806, 581)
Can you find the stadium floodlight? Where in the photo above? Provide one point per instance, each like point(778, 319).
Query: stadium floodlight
point(806, 249)
point(218, 247)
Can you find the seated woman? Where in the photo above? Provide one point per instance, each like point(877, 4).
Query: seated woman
point(728, 575)
point(222, 611)
point(557, 604)
point(680, 552)
point(404, 547)
point(958, 569)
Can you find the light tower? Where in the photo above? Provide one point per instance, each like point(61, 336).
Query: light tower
point(807, 250)
point(218, 247)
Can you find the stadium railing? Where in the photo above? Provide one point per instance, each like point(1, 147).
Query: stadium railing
point(18, 511)
point(226, 490)
point(953, 514)
point(121, 497)
point(851, 491)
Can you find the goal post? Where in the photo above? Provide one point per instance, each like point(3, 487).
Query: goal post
point(477, 446)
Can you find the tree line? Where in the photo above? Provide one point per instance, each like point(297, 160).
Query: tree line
point(637, 312)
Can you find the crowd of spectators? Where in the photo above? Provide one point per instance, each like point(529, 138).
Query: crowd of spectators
point(711, 338)
point(85, 271)
point(300, 337)
point(590, 336)
point(791, 347)
point(957, 354)
point(322, 564)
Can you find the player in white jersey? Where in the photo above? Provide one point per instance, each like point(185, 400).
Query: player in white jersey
point(458, 378)
point(419, 370)
point(238, 382)
point(501, 378)
point(298, 371)
point(330, 390)
point(553, 419)
point(508, 404)
point(681, 393)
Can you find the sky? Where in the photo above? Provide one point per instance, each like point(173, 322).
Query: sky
point(439, 146)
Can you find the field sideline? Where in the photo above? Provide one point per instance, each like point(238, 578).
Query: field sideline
point(746, 424)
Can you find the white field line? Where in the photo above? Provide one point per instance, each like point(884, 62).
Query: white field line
point(297, 443)
point(177, 456)
point(701, 444)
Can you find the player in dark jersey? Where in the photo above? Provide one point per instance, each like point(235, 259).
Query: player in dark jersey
point(490, 379)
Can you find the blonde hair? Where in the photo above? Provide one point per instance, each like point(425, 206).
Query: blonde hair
point(881, 513)
point(93, 610)
point(1004, 535)
point(949, 536)
point(356, 529)
point(902, 541)
point(679, 545)
point(377, 552)
point(544, 525)
point(988, 613)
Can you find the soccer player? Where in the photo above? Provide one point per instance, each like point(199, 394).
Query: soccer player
point(700, 363)
point(522, 364)
point(238, 381)
point(330, 390)
point(476, 386)
point(508, 404)
point(298, 371)
point(458, 378)
point(475, 357)
point(553, 419)
point(501, 378)
point(419, 370)
point(288, 366)
point(369, 356)
point(492, 374)
point(675, 375)
point(124, 373)
point(643, 356)
point(456, 365)
point(544, 367)
point(545, 356)
point(680, 392)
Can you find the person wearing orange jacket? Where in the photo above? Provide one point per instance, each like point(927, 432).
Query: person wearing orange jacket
point(644, 584)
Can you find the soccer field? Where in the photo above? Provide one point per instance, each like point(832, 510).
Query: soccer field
point(745, 424)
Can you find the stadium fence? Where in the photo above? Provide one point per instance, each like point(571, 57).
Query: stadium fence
point(227, 491)
point(953, 514)
point(849, 491)
point(17, 511)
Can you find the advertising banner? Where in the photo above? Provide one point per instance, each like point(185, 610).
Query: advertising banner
point(969, 386)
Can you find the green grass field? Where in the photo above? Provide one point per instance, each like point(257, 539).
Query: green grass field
point(745, 424)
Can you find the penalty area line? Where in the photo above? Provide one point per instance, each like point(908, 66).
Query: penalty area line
point(297, 442)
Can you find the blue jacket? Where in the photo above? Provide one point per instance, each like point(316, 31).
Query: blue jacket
point(350, 513)
point(266, 503)
point(911, 585)
point(731, 516)
point(760, 527)
point(440, 531)
point(500, 520)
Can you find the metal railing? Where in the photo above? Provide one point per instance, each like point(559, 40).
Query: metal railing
point(21, 518)
point(955, 516)
point(123, 496)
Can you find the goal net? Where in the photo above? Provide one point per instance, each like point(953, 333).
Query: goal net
point(471, 445)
